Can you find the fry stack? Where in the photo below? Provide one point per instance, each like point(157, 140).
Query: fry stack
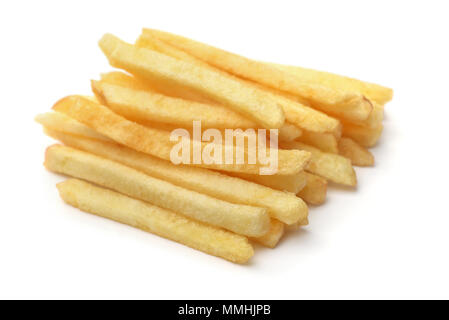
point(116, 145)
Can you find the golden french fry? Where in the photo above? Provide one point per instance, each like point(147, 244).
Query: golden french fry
point(372, 91)
point(298, 224)
point(358, 155)
point(146, 106)
point(296, 113)
point(307, 118)
point(324, 141)
point(293, 183)
point(138, 83)
point(282, 206)
point(375, 118)
point(273, 236)
point(156, 67)
point(365, 136)
point(350, 105)
point(304, 222)
point(115, 206)
point(157, 142)
point(315, 190)
point(330, 166)
point(288, 132)
point(122, 79)
point(241, 219)
point(61, 122)
point(148, 41)
point(56, 120)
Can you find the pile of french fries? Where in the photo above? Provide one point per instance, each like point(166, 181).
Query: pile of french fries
point(116, 144)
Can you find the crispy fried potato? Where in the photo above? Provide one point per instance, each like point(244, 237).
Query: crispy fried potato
point(156, 67)
point(122, 79)
point(315, 190)
point(358, 155)
point(146, 106)
point(273, 236)
point(324, 141)
point(289, 132)
point(115, 206)
point(138, 83)
point(372, 91)
point(304, 222)
point(293, 183)
point(57, 121)
point(157, 142)
point(282, 206)
point(296, 113)
point(330, 166)
point(350, 105)
point(365, 136)
point(241, 219)
point(307, 118)
point(297, 225)
point(104, 121)
point(152, 43)
point(375, 118)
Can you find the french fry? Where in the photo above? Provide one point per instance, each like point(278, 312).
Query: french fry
point(365, 136)
point(138, 83)
point(280, 205)
point(241, 219)
point(314, 192)
point(324, 141)
point(122, 79)
point(349, 105)
point(61, 122)
point(273, 236)
point(288, 132)
point(330, 166)
point(56, 120)
point(307, 118)
point(293, 183)
point(304, 222)
point(146, 106)
point(358, 155)
point(296, 113)
point(115, 206)
point(375, 118)
point(156, 67)
point(297, 225)
point(372, 91)
point(155, 141)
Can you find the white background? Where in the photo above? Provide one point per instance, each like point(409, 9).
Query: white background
point(388, 239)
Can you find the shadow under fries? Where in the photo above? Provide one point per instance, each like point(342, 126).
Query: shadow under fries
point(295, 234)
